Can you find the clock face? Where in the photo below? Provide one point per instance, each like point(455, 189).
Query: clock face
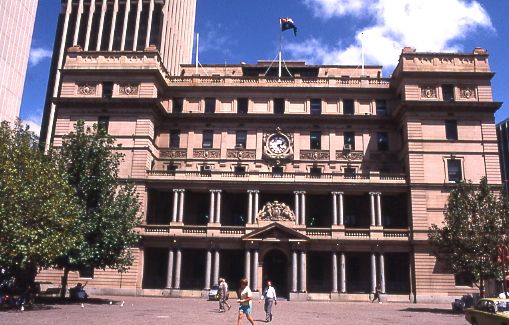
point(278, 144)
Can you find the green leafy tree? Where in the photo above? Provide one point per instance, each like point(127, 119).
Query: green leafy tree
point(109, 208)
point(476, 221)
point(37, 205)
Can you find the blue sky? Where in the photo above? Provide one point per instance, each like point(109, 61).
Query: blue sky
point(329, 31)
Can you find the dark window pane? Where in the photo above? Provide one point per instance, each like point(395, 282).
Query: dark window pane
point(279, 105)
point(210, 105)
point(316, 106)
point(448, 93)
point(103, 123)
point(315, 140)
point(349, 140)
point(315, 171)
point(383, 141)
point(175, 139)
point(349, 172)
point(239, 170)
point(208, 136)
point(463, 279)
point(381, 108)
point(348, 107)
point(242, 105)
point(178, 105)
point(451, 130)
point(107, 89)
point(454, 170)
point(241, 139)
point(277, 171)
point(171, 168)
point(86, 272)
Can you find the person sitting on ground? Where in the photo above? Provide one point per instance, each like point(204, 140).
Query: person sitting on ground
point(78, 292)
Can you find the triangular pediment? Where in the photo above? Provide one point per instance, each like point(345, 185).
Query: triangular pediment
point(275, 231)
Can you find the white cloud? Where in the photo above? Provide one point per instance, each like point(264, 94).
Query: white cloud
point(33, 122)
point(38, 54)
point(427, 25)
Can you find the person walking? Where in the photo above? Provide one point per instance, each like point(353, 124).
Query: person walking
point(269, 295)
point(245, 302)
point(223, 295)
point(377, 294)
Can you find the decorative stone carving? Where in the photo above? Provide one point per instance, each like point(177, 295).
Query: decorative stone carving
point(349, 155)
point(428, 92)
point(467, 92)
point(275, 211)
point(446, 60)
point(314, 154)
point(277, 147)
point(174, 153)
point(87, 89)
point(240, 154)
point(206, 153)
point(129, 89)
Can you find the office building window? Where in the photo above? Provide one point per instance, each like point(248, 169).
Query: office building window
point(175, 139)
point(103, 123)
point(454, 173)
point(241, 139)
point(316, 106)
point(381, 108)
point(315, 171)
point(383, 141)
point(239, 170)
point(279, 105)
point(451, 130)
point(463, 279)
point(86, 272)
point(448, 93)
point(349, 172)
point(277, 171)
point(349, 140)
point(210, 105)
point(348, 108)
point(242, 105)
point(178, 105)
point(171, 169)
point(315, 140)
point(107, 89)
point(208, 137)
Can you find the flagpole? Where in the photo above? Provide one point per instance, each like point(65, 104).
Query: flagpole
point(280, 46)
point(362, 52)
point(197, 47)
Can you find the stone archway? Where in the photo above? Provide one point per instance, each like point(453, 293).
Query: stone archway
point(275, 268)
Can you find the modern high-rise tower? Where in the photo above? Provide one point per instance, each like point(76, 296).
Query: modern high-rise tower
point(120, 26)
point(17, 19)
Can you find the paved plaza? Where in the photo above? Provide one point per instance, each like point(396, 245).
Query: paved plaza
point(138, 310)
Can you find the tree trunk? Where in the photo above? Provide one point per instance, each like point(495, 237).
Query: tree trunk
point(64, 282)
point(481, 288)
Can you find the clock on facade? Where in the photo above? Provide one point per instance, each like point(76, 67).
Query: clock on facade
point(277, 146)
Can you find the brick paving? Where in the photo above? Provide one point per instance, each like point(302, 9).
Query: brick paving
point(145, 310)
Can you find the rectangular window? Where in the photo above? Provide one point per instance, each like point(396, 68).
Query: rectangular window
point(279, 106)
point(241, 139)
point(107, 89)
point(349, 140)
point(171, 168)
point(383, 141)
point(175, 139)
point(242, 105)
point(463, 279)
point(239, 170)
point(277, 171)
point(210, 105)
point(315, 140)
point(103, 123)
point(86, 272)
point(454, 173)
point(350, 172)
point(208, 137)
point(451, 129)
point(381, 108)
point(316, 106)
point(348, 108)
point(448, 93)
point(315, 172)
point(178, 105)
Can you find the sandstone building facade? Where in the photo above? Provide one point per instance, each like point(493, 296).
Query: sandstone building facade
point(324, 180)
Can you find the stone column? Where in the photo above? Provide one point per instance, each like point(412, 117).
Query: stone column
point(78, 23)
point(169, 275)
point(294, 271)
point(334, 272)
point(341, 209)
point(254, 287)
point(303, 284)
point(178, 264)
point(334, 208)
point(211, 208)
point(256, 204)
point(208, 266)
point(124, 26)
point(303, 208)
point(297, 207)
point(101, 25)
point(372, 197)
point(250, 207)
point(379, 209)
point(137, 24)
point(382, 272)
point(91, 11)
point(343, 272)
point(218, 206)
point(175, 205)
point(181, 206)
point(373, 272)
point(215, 275)
point(149, 23)
point(247, 265)
point(113, 24)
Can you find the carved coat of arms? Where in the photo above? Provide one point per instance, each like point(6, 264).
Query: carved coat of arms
point(275, 211)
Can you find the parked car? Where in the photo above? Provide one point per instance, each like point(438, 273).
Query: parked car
point(489, 311)
point(214, 293)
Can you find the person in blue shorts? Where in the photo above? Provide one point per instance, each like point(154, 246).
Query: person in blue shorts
point(245, 302)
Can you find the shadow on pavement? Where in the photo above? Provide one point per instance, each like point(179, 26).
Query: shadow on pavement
point(430, 310)
point(59, 301)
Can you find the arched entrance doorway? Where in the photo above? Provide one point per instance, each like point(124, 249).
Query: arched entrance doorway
point(275, 268)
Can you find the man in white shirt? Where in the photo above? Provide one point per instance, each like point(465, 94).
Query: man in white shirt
point(269, 294)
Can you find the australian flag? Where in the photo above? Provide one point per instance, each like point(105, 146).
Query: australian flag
point(287, 23)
